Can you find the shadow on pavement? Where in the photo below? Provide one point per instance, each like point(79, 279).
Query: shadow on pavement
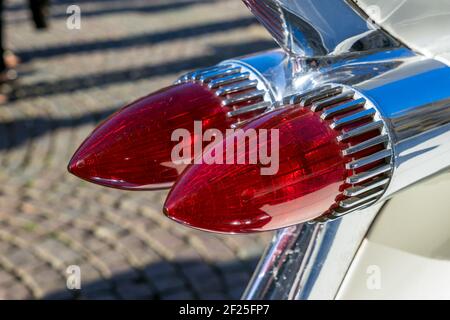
point(19, 132)
point(168, 280)
point(142, 40)
point(152, 9)
point(22, 131)
point(123, 7)
point(220, 53)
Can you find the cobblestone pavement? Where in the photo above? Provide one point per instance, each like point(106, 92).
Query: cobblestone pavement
point(70, 80)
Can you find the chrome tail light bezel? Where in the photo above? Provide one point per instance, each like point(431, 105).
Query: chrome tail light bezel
point(367, 186)
point(242, 91)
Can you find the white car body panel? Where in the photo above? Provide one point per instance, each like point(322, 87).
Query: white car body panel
point(421, 25)
point(407, 249)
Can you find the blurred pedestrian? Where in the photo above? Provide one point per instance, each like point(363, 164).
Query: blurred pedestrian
point(39, 11)
point(8, 60)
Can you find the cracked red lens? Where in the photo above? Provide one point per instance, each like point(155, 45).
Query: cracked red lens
point(237, 198)
point(132, 149)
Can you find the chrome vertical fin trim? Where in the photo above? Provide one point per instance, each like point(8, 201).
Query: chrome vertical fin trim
point(314, 28)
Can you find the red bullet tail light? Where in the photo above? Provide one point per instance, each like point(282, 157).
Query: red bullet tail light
point(132, 149)
point(333, 157)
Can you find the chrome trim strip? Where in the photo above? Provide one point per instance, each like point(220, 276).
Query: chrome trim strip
point(354, 202)
point(214, 84)
point(349, 106)
point(353, 118)
point(297, 98)
point(339, 213)
point(244, 97)
point(366, 144)
point(320, 95)
point(309, 261)
point(191, 76)
point(211, 75)
point(358, 178)
point(236, 87)
point(369, 159)
point(360, 130)
point(319, 106)
point(361, 189)
point(262, 105)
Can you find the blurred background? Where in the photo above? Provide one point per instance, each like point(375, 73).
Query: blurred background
point(69, 80)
